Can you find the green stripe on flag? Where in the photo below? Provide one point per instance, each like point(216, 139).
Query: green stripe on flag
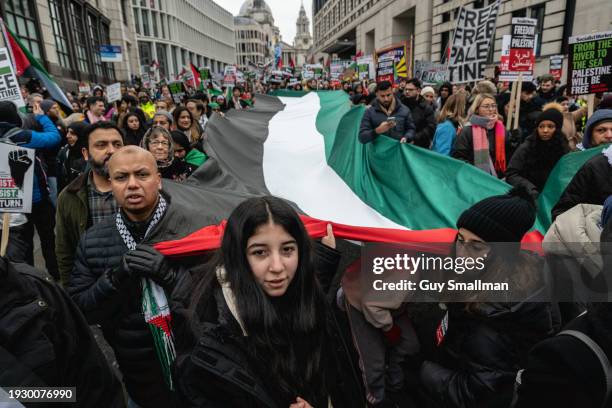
point(416, 187)
point(5, 70)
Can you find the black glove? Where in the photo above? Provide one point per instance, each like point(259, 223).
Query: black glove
point(19, 162)
point(121, 274)
point(149, 263)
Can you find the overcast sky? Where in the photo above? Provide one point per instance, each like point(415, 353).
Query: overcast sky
point(285, 13)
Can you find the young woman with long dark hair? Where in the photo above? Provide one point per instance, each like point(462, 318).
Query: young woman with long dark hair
point(266, 335)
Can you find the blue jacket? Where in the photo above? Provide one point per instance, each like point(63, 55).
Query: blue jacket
point(444, 138)
point(48, 138)
point(374, 116)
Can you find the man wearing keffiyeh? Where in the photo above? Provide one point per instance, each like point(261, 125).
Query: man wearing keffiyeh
point(122, 283)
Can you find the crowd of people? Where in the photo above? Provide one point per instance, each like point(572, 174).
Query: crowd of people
point(274, 318)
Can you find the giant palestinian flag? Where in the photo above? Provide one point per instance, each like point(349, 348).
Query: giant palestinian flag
point(305, 149)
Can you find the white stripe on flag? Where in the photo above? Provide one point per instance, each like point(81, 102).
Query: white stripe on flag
point(295, 168)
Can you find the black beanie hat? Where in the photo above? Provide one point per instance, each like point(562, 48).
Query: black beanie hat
point(502, 218)
point(9, 113)
point(553, 115)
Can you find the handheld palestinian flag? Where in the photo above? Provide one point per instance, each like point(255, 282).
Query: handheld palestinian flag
point(196, 76)
point(28, 66)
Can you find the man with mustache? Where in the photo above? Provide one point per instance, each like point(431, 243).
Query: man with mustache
point(88, 200)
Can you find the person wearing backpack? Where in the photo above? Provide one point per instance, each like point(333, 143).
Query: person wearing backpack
point(573, 368)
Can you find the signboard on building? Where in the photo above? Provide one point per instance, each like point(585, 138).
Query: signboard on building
point(430, 73)
point(522, 46)
point(590, 63)
point(556, 66)
point(9, 87)
point(111, 53)
point(113, 92)
point(470, 47)
point(16, 178)
point(394, 63)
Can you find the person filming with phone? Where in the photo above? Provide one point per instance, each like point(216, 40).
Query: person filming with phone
point(387, 116)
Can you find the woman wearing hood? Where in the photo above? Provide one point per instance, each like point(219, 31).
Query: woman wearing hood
point(535, 158)
point(133, 128)
point(481, 344)
point(444, 92)
point(184, 151)
point(159, 142)
point(484, 141)
point(70, 162)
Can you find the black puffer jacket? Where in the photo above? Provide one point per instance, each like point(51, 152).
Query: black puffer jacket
point(592, 184)
point(374, 116)
point(478, 358)
point(218, 372)
point(424, 119)
point(45, 341)
point(118, 311)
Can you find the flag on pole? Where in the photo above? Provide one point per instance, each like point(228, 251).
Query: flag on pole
point(196, 75)
point(28, 66)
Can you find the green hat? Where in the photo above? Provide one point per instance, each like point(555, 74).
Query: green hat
point(214, 105)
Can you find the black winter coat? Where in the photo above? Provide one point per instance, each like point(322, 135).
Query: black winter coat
point(483, 348)
point(592, 184)
point(374, 116)
point(463, 149)
point(219, 372)
point(424, 119)
point(118, 310)
point(533, 161)
point(45, 341)
point(562, 371)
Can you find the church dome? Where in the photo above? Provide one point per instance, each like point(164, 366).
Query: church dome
point(257, 10)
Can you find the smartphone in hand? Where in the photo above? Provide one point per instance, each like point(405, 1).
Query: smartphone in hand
point(391, 119)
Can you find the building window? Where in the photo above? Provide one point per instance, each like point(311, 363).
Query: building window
point(76, 16)
point(61, 41)
point(137, 20)
point(444, 44)
point(107, 67)
point(124, 9)
point(94, 36)
point(20, 15)
point(144, 52)
point(145, 23)
point(162, 59)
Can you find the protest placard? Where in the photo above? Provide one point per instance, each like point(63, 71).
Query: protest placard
point(430, 73)
point(113, 92)
point(394, 63)
point(9, 87)
point(177, 90)
point(590, 63)
point(337, 68)
point(470, 47)
point(522, 46)
point(16, 178)
point(366, 68)
point(556, 66)
point(85, 88)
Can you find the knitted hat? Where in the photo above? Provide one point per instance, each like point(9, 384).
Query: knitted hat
point(502, 218)
point(426, 90)
point(9, 113)
point(552, 115)
point(47, 104)
point(528, 86)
